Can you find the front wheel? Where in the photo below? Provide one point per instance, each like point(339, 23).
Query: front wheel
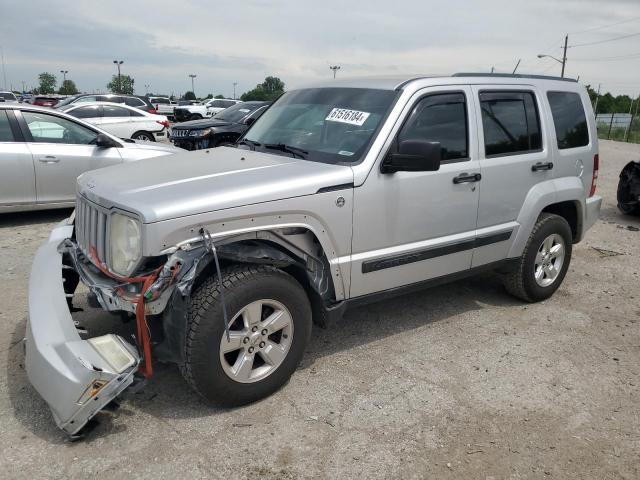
point(269, 328)
point(544, 262)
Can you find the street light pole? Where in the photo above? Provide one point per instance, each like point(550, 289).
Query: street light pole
point(63, 87)
point(146, 88)
point(193, 89)
point(118, 63)
point(234, 89)
point(335, 68)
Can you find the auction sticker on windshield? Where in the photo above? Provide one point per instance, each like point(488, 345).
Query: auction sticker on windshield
point(352, 117)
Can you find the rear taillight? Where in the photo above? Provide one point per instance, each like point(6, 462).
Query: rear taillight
point(594, 178)
point(164, 123)
point(152, 111)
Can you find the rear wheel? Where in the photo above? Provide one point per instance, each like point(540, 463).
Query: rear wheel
point(269, 328)
point(628, 194)
point(195, 116)
point(544, 262)
point(143, 136)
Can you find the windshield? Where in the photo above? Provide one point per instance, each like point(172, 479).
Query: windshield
point(237, 112)
point(328, 125)
point(8, 96)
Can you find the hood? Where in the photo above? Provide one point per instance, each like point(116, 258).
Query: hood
point(150, 146)
point(189, 183)
point(197, 124)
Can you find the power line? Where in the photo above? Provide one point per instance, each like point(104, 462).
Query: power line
point(605, 41)
point(605, 26)
point(606, 59)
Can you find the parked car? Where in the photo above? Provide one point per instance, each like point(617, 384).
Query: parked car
point(628, 194)
point(182, 113)
point(44, 101)
point(121, 120)
point(42, 152)
point(6, 97)
point(336, 196)
point(225, 127)
point(163, 105)
point(140, 103)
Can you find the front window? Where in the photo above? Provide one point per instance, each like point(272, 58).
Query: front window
point(7, 96)
point(328, 125)
point(46, 128)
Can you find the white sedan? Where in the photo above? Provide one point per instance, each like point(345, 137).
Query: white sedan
point(121, 120)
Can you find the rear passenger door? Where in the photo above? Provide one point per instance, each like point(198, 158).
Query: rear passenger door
point(514, 156)
point(17, 182)
point(117, 121)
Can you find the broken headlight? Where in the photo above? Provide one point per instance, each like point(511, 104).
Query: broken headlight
point(125, 241)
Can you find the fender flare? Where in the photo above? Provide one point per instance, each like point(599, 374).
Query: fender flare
point(541, 196)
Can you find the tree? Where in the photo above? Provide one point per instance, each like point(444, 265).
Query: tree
point(219, 96)
point(125, 86)
point(68, 87)
point(47, 83)
point(269, 90)
point(189, 96)
point(209, 95)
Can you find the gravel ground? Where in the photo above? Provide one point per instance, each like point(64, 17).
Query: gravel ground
point(460, 381)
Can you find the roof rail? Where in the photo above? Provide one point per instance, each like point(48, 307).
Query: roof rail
point(512, 75)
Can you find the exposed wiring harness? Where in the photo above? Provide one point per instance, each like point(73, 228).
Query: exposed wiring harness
point(208, 241)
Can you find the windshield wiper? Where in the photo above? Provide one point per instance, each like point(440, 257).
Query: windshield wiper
point(288, 149)
point(251, 143)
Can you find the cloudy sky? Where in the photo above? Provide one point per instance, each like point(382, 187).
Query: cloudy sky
point(242, 41)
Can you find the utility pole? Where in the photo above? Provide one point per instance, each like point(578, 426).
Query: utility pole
point(4, 71)
point(234, 89)
point(517, 65)
point(595, 108)
point(335, 68)
point(193, 90)
point(564, 55)
point(23, 90)
point(492, 69)
point(118, 63)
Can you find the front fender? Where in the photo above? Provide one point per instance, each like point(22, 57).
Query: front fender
point(319, 213)
point(541, 196)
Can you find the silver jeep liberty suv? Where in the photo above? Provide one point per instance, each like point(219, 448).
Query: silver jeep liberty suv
point(339, 194)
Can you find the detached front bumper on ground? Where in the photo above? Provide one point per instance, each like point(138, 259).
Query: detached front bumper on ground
point(76, 377)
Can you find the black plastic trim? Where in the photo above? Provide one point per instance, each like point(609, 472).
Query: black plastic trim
point(426, 254)
point(334, 188)
point(501, 265)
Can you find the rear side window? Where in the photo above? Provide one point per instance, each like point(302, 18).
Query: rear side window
point(6, 135)
point(86, 112)
point(510, 122)
point(569, 119)
point(163, 101)
point(440, 118)
point(113, 111)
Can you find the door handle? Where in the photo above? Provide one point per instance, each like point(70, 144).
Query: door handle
point(49, 159)
point(467, 178)
point(541, 166)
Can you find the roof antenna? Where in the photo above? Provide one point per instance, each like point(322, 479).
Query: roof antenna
point(517, 65)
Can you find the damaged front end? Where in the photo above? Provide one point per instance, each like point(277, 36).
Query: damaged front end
point(79, 377)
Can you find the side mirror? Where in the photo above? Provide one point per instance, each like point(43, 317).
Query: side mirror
point(249, 121)
point(413, 156)
point(104, 141)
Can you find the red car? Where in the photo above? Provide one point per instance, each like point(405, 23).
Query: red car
point(44, 101)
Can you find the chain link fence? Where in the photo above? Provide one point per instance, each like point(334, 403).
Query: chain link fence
point(623, 127)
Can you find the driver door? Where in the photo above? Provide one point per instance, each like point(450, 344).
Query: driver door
point(61, 150)
point(409, 227)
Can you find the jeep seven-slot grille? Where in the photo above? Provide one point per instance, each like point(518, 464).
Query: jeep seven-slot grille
point(91, 228)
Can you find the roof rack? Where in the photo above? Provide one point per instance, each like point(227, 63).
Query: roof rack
point(512, 75)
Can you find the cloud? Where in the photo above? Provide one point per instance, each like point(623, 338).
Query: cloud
point(162, 41)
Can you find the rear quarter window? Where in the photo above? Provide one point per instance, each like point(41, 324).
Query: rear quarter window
point(569, 119)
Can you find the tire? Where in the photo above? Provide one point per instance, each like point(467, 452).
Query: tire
point(208, 371)
point(143, 136)
point(195, 116)
point(522, 282)
point(629, 189)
